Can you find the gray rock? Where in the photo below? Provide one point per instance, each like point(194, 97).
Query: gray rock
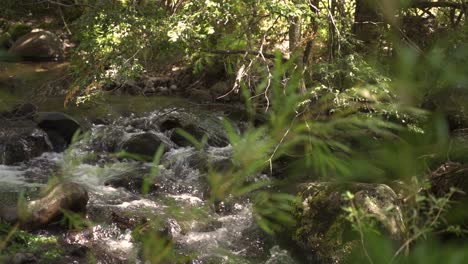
point(144, 144)
point(279, 256)
point(197, 125)
point(22, 143)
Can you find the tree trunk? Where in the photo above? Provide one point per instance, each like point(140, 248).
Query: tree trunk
point(309, 48)
point(295, 47)
point(367, 23)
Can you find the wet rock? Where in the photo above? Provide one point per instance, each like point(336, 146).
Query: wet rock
point(20, 111)
point(132, 180)
point(59, 126)
point(185, 156)
point(220, 159)
point(183, 169)
point(323, 229)
point(39, 45)
point(192, 130)
point(79, 251)
point(279, 256)
point(144, 144)
point(200, 95)
point(104, 138)
point(197, 125)
point(66, 196)
point(22, 143)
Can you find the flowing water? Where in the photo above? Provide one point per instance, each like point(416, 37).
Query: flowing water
point(178, 199)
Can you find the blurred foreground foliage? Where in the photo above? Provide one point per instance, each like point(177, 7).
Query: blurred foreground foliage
point(337, 106)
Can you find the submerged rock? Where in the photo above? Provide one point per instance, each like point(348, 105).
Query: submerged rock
point(39, 45)
point(38, 213)
point(323, 229)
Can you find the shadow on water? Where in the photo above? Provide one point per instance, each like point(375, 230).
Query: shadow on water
point(22, 82)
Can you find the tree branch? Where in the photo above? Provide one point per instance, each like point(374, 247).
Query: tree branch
point(241, 52)
point(429, 4)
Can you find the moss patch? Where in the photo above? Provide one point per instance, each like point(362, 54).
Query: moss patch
point(44, 248)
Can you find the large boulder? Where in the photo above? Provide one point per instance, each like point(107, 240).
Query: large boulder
point(22, 143)
point(60, 127)
point(39, 45)
point(323, 230)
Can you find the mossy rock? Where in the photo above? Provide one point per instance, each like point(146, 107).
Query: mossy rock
point(5, 40)
point(11, 33)
point(25, 247)
point(18, 30)
point(323, 230)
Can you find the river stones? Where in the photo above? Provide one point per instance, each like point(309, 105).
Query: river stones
point(22, 143)
point(39, 45)
point(59, 126)
point(144, 144)
point(198, 125)
point(25, 133)
point(322, 227)
point(67, 196)
point(25, 111)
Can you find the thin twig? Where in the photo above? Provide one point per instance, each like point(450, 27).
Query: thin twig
point(63, 19)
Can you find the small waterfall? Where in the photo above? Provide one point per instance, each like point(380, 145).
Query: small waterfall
point(177, 194)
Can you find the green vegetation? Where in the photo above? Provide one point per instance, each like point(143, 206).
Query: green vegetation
point(341, 92)
point(17, 241)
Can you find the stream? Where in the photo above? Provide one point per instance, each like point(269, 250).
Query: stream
point(178, 198)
